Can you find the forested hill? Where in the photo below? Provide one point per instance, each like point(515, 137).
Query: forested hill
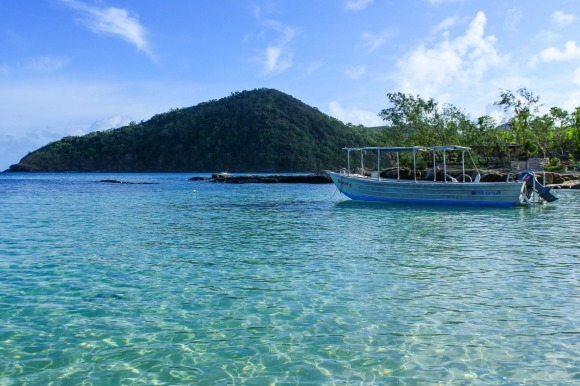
point(263, 130)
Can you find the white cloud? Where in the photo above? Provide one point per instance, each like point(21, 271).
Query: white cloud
point(108, 123)
point(547, 37)
point(355, 72)
point(314, 65)
point(571, 51)
point(463, 61)
point(354, 116)
point(47, 64)
point(445, 24)
point(356, 5)
point(276, 62)
point(81, 104)
point(576, 76)
point(374, 41)
point(114, 21)
point(277, 57)
point(512, 19)
point(562, 19)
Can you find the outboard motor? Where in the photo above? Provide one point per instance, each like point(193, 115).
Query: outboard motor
point(532, 183)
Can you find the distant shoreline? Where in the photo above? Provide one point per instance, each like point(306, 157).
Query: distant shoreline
point(569, 180)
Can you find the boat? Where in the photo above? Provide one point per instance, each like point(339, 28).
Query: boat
point(465, 188)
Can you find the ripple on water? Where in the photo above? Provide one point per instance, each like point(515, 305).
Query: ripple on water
point(151, 284)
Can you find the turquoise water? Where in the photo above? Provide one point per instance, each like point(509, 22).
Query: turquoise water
point(186, 282)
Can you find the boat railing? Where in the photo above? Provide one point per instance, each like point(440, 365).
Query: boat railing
point(511, 173)
point(533, 192)
point(414, 150)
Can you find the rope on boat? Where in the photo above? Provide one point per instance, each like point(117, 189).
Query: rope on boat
point(335, 190)
point(474, 164)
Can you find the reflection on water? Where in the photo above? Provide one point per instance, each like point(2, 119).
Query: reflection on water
point(291, 284)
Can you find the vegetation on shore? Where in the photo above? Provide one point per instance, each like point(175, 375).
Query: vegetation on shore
point(265, 130)
point(412, 120)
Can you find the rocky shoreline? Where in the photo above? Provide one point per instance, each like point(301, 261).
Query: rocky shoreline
point(128, 182)
point(224, 178)
point(552, 179)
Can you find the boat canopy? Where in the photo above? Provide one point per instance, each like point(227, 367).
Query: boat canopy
point(410, 148)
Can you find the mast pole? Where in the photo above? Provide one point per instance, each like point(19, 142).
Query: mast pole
point(463, 164)
point(444, 167)
point(348, 161)
point(434, 168)
point(379, 164)
point(415, 163)
point(398, 170)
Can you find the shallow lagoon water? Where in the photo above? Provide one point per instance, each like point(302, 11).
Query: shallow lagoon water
point(184, 282)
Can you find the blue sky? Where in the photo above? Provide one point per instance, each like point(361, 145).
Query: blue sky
point(68, 67)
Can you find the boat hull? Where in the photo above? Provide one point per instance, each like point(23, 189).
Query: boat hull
point(428, 192)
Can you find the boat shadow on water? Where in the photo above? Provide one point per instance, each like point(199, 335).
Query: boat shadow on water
point(422, 207)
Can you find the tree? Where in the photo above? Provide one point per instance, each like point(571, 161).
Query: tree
point(563, 135)
point(543, 131)
point(413, 120)
point(523, 105)
point(575, 127)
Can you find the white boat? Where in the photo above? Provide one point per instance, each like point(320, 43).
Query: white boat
point(520, 188)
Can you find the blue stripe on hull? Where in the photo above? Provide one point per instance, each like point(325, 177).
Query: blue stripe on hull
point(420, 201)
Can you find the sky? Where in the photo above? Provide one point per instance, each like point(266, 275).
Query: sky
point(69, 67)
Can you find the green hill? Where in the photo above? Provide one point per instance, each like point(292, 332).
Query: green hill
point(263, 130)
